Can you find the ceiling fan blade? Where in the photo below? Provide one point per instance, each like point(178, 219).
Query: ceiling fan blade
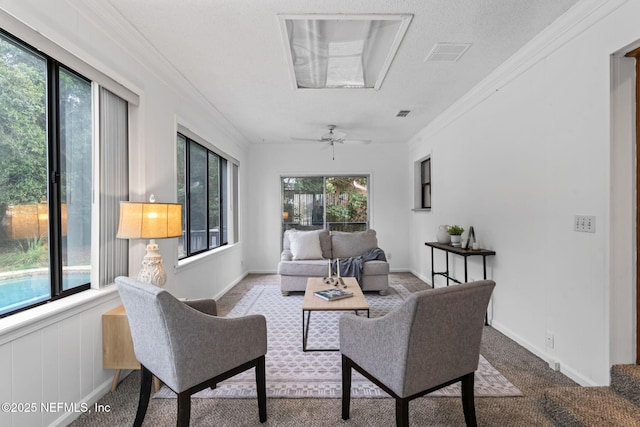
point(306, 139)
point(355, 141)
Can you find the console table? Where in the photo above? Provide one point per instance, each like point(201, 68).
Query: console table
point(465, 253)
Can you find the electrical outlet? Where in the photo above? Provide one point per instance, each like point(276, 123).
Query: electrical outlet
point(549, 339)
point(584, 223)
point(388, 255)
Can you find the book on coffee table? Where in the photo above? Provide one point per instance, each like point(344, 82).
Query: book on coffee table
point(333, 294)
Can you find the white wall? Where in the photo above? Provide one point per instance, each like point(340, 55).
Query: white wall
point(56, 359)
point(59, 358)
point(517, 159)
point(390, 201)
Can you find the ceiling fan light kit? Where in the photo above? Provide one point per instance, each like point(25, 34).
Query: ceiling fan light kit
point(333, 137)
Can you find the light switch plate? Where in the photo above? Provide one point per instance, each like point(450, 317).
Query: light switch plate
point(584, 223)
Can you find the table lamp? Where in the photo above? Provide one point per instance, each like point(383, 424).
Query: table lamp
point(150, 220)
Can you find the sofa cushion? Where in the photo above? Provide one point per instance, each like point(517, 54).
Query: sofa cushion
point(305, 245)
point(351, 244)
point(325, 241)
point(306, 268)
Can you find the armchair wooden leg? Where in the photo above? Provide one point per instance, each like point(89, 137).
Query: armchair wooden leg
point(402, 412)
point(346, 387)
point(146, 379)
point(468, 404)
point(261, 386)
point(184, 409)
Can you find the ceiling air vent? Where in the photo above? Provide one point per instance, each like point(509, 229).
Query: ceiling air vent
point(403, 113)
point(450, 52)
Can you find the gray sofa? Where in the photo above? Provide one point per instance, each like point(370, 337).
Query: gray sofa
point(308, 254)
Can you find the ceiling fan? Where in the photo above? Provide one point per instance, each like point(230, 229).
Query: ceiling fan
point(333, 137)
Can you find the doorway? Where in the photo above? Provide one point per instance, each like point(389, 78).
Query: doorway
point(621, 294)
point(635, 53)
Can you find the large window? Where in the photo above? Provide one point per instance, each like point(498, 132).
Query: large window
point(45, 178)
point(325, 202)
point(202, 184)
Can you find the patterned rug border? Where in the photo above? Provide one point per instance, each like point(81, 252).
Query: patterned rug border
point(265, 299)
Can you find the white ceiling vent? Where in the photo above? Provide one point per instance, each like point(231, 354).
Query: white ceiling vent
point(450, 52)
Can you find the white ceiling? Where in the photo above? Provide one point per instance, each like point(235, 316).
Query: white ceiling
point(232, 51)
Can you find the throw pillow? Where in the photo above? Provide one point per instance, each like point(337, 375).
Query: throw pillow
point(305, 245)
point(351, 244)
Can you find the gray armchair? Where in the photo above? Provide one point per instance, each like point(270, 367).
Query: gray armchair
point(431, 341)
point(187, 347)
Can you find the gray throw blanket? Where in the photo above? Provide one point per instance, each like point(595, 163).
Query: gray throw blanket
point(352, 267)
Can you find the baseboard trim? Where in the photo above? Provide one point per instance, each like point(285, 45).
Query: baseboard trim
point(548, 358)
point(422, 277)
point(262, 272)
point(88, 402)
point(230, 285)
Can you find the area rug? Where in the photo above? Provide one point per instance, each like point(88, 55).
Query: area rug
point(292, 373)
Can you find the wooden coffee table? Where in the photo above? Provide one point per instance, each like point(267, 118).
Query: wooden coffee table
point(311, 303)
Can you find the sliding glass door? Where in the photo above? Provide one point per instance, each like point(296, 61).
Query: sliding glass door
point(325, 202)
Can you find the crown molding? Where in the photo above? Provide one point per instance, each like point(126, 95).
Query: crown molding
point(579, 18)
point(107, 20)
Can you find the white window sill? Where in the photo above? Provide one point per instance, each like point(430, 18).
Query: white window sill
point(25, 322)
point(184, 264)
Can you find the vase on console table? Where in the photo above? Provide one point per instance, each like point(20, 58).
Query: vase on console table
point(456, 240)
point(443, 235)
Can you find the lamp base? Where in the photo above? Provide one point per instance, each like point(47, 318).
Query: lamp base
point(152, 270)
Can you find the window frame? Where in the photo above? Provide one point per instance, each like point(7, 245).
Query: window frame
point(425, 183)
point(54, 163)
point(325, 224)
point(222, 191)
point(422, 185)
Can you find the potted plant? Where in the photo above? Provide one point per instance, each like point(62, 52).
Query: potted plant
point(455, 231)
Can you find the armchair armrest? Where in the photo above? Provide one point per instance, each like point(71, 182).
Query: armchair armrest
point(206, 306)
point(379, 345)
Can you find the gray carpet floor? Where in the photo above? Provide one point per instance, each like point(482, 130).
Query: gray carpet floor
point(526, 371)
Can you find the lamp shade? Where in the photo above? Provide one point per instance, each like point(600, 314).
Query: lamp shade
point(149, 220)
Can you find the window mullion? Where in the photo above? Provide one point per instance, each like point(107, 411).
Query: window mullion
point(222, 197)
point(324, 203)
point(187, 196)
point(53, 199)
point(207, 204)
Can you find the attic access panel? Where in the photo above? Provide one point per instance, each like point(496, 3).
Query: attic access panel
point(341, 51)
